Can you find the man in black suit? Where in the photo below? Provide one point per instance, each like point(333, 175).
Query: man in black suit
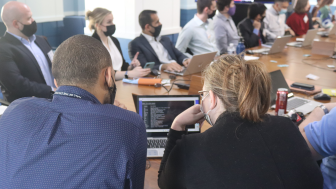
point(251, 28)
point(25, 59)
point(155, 48)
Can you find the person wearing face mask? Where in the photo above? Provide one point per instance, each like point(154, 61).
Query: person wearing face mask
point(78, 139)
point(194, 35)
point(252, 27)
point(275, 20)
point(245, 148)
point(299, 20)
point(25, 58)
point(153, 47)
point(225, 29)
point(101, 21)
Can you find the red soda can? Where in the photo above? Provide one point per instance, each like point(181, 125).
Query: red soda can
point(281, 102)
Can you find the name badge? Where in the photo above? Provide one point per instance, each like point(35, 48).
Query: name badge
point(305, 19)
point(51, 55)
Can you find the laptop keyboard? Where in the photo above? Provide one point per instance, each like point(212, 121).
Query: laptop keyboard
point(296, 103)
point(156, 143)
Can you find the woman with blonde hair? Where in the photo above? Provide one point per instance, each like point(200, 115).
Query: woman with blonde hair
point(101, 21)
point(246, 147)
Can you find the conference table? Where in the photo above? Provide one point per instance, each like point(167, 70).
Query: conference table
point(299, 66)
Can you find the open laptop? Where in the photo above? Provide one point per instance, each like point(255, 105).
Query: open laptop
point(158, 113)
point(196, 65)
point(294, 103)
point(308, 40)
point(332, 31)
point(277, 47)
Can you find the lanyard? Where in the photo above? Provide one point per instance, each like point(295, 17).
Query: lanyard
point(67, 94)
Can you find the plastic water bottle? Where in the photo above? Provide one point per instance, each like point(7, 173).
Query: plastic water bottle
point(231, 49)
point(241, 47)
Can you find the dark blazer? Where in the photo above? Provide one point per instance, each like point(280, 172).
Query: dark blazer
point(147, 53)
point(20, 74)
point(125, 65)
point(246, 31)
point(239, 154)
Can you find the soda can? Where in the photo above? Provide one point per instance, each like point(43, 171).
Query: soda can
point(281, 102)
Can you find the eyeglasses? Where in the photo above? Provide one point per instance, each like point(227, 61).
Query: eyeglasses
point(201, 93)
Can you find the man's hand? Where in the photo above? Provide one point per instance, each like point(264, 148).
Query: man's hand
point(189, 117)
point(256, 25)
point(135, 62)
point(172, 67)
point(117, 103)
point(291, 32)
point(186, 62)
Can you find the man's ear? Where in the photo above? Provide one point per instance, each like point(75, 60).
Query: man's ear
point(206, 9)
point(55, 82)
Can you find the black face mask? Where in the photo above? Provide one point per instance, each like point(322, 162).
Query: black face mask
point(157, 31)
point(210, 16)
point(110, 30)
point(262, 18)
point(112, 91)
point(29, 30)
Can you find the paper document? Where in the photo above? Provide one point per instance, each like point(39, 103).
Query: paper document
point(2, 109)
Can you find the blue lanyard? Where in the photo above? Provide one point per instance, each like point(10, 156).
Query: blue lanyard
point(67, 94)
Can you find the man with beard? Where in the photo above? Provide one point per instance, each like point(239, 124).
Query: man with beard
point(78, 139)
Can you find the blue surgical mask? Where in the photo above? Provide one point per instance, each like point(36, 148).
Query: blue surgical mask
point(283, 11)
point(206, 115)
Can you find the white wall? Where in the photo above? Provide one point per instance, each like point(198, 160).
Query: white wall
point(126, 14)
point(45, 10)
point(188, 4)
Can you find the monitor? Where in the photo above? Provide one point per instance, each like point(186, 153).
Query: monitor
point(159, 112)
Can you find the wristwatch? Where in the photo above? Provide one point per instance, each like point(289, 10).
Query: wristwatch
point(126, 76)
point(324, 109)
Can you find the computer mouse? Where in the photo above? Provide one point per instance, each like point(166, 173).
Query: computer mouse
point(322, 96)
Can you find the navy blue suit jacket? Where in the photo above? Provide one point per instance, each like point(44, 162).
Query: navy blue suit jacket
point(147, 53)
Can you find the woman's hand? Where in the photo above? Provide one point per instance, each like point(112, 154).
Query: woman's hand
point(138, 72)
point(189, 117)
point(135, 62)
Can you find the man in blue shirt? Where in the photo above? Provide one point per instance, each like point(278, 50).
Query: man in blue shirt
point(77, 139)
point(319, 131)
point(25, 59)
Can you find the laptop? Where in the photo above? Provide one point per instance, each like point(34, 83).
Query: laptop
point(308, 40)
point(277, 47)
point(158, 113)
point(196, 65)
point(294, 103)
point(332, 31)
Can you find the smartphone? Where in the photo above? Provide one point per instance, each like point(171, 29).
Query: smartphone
point(303, 86)
point(149, 65)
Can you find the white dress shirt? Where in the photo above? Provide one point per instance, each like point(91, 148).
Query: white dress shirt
point(115, 54)
point(274, 24)
point(195, 37)
point(159, 49)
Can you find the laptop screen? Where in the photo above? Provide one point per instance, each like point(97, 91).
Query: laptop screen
point(278, 81)
point(159, 112)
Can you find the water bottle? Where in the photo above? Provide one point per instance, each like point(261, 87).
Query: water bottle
point(231, 49)
point(241, 47)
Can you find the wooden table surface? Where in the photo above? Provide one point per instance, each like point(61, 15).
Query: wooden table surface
point(299, 67)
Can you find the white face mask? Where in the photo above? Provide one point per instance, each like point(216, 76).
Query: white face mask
point(283, 11)
point(206, 115)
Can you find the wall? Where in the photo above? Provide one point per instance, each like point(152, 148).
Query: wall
point(188, 10)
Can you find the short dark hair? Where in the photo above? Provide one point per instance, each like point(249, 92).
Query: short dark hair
point(221, 4)
point(255, 9)
point(202, 4)
point(79, 60)
point(145, 18)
